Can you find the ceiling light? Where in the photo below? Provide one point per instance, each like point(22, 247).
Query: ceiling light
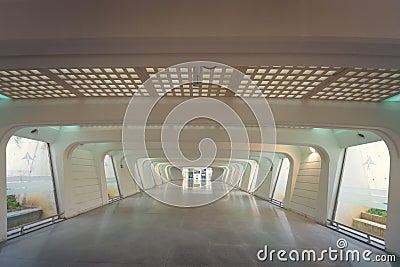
point(4, 97)
point(395, 98)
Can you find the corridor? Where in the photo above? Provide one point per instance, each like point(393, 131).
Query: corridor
point(141, 231)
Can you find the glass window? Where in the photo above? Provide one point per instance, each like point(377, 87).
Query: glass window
point(363, 192)
point(281, 180)
point(30, 184)
point(111, 178)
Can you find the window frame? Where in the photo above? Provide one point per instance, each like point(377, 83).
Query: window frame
point(55, 192)
point(115, 174)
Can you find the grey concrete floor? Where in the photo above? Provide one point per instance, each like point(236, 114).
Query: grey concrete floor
point(141, 231)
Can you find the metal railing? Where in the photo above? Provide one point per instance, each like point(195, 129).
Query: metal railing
point(33, 226)
point(270, 200)
point(275, 202)
point(360, 235)
point(39, 224)
point(115, 199)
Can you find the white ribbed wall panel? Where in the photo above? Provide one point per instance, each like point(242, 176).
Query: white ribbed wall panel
point(304, 197)
point(85, 182)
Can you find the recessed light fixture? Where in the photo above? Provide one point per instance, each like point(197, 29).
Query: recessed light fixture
point(4, 97)
point(395, 98)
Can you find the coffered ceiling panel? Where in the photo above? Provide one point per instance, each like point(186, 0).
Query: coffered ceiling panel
point(282, 82)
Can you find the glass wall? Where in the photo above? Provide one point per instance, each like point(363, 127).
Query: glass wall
point(363, 192)
point(111, 178)
point(196, 177)
point(30, 184)
point(278, 192)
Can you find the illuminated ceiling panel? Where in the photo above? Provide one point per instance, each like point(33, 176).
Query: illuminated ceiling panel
point(293, 127)
point(202, 89)
point(287, 81)
point(24, 84)
point(102, 81)
point(281, 82)
point(177, 81)
point(358, 84)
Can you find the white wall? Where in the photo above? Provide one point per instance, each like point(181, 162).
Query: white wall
point(302, 191)
point(85, 183)
point(127, 184)
point(305, 194)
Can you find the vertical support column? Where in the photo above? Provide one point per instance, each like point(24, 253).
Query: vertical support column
point(265, 166)
point(244, 184)
point(392, 238)
point(65, 176)
point(277, 165)
point(117, 158)
point(335, 168)
point(321, 212)
point(117, 177)
point(3, 192)
point(98, 157)
point(126, 182)
point(295, 158)
point(58, 168)
point(5, 135)
point(168, 173)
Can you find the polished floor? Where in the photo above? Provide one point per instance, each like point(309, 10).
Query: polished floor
point(141, 231)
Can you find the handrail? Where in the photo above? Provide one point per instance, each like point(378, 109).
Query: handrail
point(115, 199)
point(33, 226)
point(269, 200)
point(372, 240)
point(275, 202)
point(41, 223)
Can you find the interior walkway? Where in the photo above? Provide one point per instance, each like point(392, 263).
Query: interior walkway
point(141, 231)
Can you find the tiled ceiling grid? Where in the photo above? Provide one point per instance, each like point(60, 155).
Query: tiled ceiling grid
point(362, 85)
point(207, 81)
point(287, 82)
point(31, 84)
point(102, 81)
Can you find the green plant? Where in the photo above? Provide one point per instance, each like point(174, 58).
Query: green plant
point(12, 203)
point(379, 212)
